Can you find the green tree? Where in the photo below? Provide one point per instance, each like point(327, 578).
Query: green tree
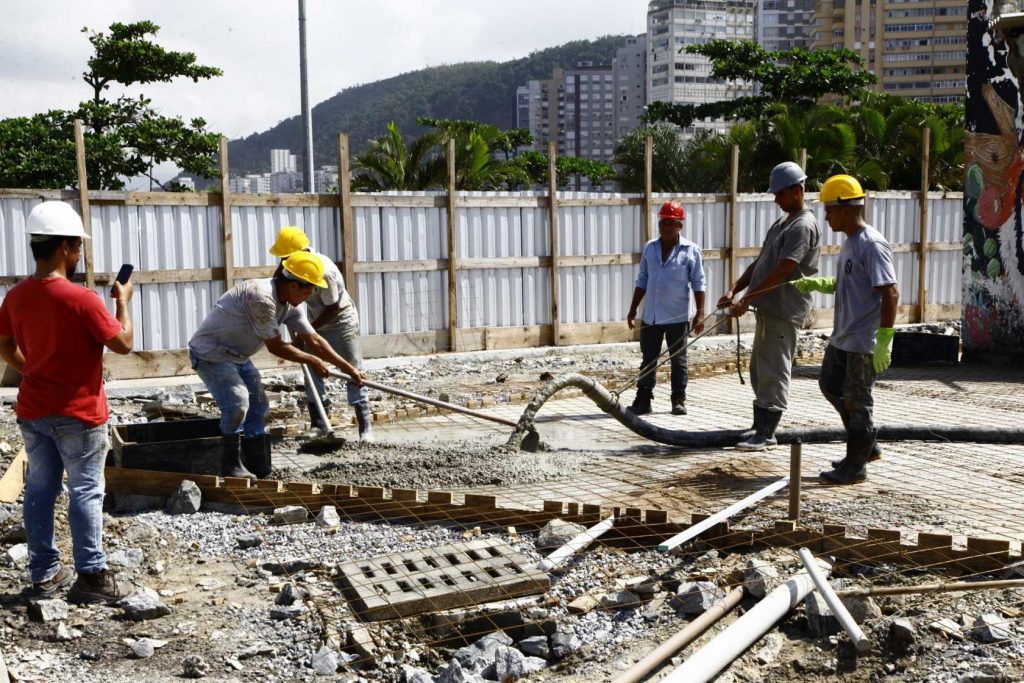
point(390, 164)
point(125, 137)
point(668, 172)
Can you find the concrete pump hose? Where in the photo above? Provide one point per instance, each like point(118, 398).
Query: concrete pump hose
point(729, 437)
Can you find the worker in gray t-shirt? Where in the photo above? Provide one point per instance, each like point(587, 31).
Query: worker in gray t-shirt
point(790, 251)
point(245, 318)
point(865, 312)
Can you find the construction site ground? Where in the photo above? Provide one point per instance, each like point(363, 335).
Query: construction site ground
point(219, 593)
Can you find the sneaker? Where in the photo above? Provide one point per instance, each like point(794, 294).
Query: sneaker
point(62, 578)
point(102, 586)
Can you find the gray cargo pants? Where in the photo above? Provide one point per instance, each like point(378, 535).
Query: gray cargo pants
point(846, 380)
point(771, 362)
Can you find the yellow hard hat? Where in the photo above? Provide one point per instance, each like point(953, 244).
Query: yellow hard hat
point(841, 190)
point(306, 267)
point(289, 240)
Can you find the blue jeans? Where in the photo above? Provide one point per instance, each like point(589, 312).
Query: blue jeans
point(239, 394)
point(53, 445)
point(651, 338)
point(344, 339)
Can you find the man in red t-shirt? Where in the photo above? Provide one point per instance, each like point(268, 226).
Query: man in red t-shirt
point(53, 332)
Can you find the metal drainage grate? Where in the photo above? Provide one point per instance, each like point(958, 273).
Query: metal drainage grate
point(439, 578)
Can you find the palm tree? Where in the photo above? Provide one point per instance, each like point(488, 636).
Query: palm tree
point(389, 164)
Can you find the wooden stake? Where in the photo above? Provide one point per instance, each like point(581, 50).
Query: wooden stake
point(553, 227)
point(453, 310)
point(733, 207)
point(83, 202)
point(225, 216)
point(345, 220)
point(795, 456)
point(648, 173)
point(803, 158)
point(922, 239)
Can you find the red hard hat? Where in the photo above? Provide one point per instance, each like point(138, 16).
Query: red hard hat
point(672, 210)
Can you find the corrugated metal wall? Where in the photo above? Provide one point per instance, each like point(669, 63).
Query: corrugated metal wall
point(188, 237)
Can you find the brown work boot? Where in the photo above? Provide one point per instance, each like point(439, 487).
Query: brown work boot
point(102, 586)
point(62, 578)
point(678, 405)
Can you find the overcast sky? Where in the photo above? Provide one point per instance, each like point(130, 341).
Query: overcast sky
point(43, 52)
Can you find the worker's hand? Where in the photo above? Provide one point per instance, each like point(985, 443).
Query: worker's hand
point(123, 292)
point(726, 300)
point(698, 322)
point(739, 307)
point(882, 356)
point(357, 377)
point(806, 285)
point(320, 367)
point(631, 318)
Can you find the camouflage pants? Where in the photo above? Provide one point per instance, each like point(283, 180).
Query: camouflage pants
point(846, 380)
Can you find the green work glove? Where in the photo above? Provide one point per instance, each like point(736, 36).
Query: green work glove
point(882, 357)
point(806, 285)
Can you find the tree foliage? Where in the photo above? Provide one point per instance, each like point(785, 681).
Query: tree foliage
point(124, 137)
point(793, 76)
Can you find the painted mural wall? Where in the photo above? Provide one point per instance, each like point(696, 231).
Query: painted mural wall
point(993, 271)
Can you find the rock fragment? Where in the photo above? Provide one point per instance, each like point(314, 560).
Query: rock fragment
point(186, 500)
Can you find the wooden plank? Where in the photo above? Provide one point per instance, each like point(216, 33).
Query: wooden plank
point(406, 495)
point(556, 506)
point(287, 199)
point(225, 216)
point(922, 238)
point(442, 497)
point(13, 481)
point(407, 266)
point(453, 254)
point(480, 501)
point(83, 203)
point(346, 223)
point(553, 239)
point(730, 243)
point(373, 201)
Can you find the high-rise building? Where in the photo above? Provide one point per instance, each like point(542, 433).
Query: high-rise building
point(684, 78)
point(539, 109)
point(282, 161)
point(917, 48)
point(629, 77)
point(785, 24)
point(588, 113)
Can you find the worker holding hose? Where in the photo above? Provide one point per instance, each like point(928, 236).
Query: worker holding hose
point(245, 318)
point(790, 251)
point(865, 311)
point(332, 313)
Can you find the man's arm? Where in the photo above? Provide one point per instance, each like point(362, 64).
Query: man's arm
point(890, 304)
point(327, 315)
point(698, 317)
point(738, 286)
point(282, 349)
point(10, 352)
point(320, 348)
point(779, 274)
point(122, 341)
point(638, 296)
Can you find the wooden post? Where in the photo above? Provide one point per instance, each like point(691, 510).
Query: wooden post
point(553, 228)
point(346, 221)
point(453, 309)
point(733, 207)
point(648, 172)
point(83, 203)
point(803, 158)
point(225, 216)
point(795, 456)
point(922, 238)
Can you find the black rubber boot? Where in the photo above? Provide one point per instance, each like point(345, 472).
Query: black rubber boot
point(642, 402)
point(679, 405)
point(853, 470)
point(364, 419)
point(231, 458)
point(765, 423)
point(256, 455)
point(876, 452)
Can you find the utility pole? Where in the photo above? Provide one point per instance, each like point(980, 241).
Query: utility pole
point(307, 116)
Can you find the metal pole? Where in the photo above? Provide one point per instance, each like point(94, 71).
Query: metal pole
point(956, 587)
point(307, 115)
point(842, 614)
point(795, 453)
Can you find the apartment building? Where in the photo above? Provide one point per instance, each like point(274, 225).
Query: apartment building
point(917, 48)
point(785, 24)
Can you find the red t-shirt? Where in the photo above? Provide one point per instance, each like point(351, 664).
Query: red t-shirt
point(60, 327)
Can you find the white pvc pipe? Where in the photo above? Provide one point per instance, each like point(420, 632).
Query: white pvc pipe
point(576, 544)
point(719, 517)
point(846, 620)
point(707, 662)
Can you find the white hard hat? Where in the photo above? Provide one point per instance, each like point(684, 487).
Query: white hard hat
point(55, 219)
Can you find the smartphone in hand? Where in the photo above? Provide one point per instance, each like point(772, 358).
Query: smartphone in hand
point(123, 275)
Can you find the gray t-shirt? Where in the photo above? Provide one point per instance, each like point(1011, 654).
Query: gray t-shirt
point(334, 293)
point(242, 320)
point(865, 262)
point(795, 239)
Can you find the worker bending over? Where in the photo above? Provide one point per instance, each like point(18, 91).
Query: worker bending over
point(243, 320)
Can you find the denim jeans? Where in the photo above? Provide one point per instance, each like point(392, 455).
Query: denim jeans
point(239, 394)
point(651, 337)
point(344, 339)
point(54, 445)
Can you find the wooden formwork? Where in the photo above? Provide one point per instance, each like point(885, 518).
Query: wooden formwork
point(635, 528)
